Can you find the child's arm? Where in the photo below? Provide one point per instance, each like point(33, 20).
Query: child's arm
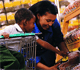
point(50, 47)
point(6, 31)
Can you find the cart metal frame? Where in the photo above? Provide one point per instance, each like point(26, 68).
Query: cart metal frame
point(27, 46)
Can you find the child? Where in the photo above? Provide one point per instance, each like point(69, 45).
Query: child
point(24, 24)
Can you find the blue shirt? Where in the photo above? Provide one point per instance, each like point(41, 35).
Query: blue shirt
point(53, 35)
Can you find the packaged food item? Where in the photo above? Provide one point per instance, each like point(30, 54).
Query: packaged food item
point(10, 17)
point(66, 11)
point(9, 6)
point(72, 39)
point(76, 4)
point(25, 3)
point(73, 5)
point(77, 67)
point(72, 28)
point(17, 4)
point(3, 19)
point(1, 7)
point(70, 7)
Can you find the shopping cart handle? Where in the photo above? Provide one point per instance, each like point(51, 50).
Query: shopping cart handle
point(19, 35)
point(38, 33)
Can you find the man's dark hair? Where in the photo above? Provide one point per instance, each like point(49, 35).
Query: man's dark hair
point(44, 6)
point(22, 14)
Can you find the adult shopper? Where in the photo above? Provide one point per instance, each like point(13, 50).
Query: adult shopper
point(47, 24)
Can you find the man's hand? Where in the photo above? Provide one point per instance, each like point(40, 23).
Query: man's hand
point(62, 53)
point(6, 35)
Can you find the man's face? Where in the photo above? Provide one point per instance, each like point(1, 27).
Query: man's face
point(30, 25)
point(46, 20)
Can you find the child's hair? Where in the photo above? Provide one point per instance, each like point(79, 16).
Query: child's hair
point(22, 14)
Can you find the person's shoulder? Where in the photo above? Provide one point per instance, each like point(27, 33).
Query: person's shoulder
point(7, 29)
point(10, 26)
point(56, 23)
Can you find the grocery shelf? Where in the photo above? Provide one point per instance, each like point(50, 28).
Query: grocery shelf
point(72, 14)
point(69, 16)
point(73, 45)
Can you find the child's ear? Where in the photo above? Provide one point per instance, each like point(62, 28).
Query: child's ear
point(24, 22)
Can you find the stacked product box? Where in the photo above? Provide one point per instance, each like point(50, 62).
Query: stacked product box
point(72, 39)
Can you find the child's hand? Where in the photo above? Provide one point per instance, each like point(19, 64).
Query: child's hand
point(6, 35)
point(62, 53)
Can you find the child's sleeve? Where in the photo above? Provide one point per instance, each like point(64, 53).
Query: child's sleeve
point(1, 31)
point(37, 37)
point(7, 29)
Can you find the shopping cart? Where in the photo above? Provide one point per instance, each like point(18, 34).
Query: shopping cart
point(27, 45)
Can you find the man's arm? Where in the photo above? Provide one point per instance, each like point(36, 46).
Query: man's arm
point(44, 67)
point(50, 47)
point(63, 47)
point(59, 41)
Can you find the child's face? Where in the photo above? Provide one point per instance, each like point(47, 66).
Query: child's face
point(30, 25)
